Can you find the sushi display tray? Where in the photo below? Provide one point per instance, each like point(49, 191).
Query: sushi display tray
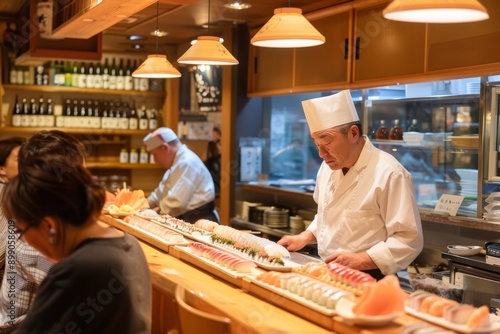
point(494, 327)
point(140, 233)
point(229, 275)
point(288, 263)
point(290, 302)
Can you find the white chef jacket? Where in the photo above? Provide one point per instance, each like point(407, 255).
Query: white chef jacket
point(372, 208)
point(187, 185)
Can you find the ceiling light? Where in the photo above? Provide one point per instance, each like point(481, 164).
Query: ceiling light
point(156, 65)
point(288, 28)
point(207, 50)
point(159, 33)
point(136, 37)
point(434, 11)
point(237, 5)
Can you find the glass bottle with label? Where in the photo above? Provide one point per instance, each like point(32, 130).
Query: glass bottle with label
point(49, 117)
point(112, 75)
point(90, 115)
point(16, 114)
point(33, 117)
point(25, 114)
point(96, 120)
point(153, 121)
point(105, 74)
point(124, 121)
point(135, 80)
point(123, 156)
point(113, 120)
point(82, 78)
point(414, 126)
point(81, 117)
point(98, 76)
point(105, 116)
point(12, 73)
point(382, 131)
point(75, 75)
point(129, 83)
point(120, 79)
point(134, 156)
point(143, 157)
point(40, 118)
point(67, 74)
point(90, 76)
point(143, 120)
point(396, 133)
point(133, 122)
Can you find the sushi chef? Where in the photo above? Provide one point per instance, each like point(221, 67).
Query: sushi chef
point(187, 189)
point(367, 216)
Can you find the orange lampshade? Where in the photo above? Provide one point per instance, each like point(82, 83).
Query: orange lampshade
point(435, 11)
point(208, 50)
point(156, 66)
point(288, 28)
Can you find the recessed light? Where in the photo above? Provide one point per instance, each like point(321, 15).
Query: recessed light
point(237, 5)
point(136, 37)
point(159, 33)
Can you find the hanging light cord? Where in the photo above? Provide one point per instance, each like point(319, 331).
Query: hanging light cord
point(157, 32)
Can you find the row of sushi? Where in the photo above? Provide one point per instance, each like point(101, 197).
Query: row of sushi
point(222, 257)
point(449, 310)
point(159, 231)
point(249, 245)
point(319, 292)
point(336, 274)
point(181, 225)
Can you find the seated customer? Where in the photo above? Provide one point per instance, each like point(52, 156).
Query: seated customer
point(26, 266)
point(100, 281)
point(187, 189)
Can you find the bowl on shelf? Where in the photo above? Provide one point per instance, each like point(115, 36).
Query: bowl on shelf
point(464, 250)
point(420, 269)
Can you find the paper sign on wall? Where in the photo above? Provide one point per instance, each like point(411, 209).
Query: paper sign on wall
point(449, 204)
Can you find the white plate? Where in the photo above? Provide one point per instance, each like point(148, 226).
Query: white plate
point(344, 309)
point(464, 250)
point(494, 327)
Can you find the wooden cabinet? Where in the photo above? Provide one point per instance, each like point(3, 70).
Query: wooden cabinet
point(386, 49)
point(325, 64)
point(103, 145)
point(271, 70)
point(453, 46)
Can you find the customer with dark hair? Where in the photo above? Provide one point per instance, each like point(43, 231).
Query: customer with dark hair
point(27, 267)
point(9, 150)
point(100, 281)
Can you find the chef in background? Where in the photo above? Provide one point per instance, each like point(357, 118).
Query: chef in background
point(186, 190)
point(367, 216)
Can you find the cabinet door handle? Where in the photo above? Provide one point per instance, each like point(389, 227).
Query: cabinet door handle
point(357, 47)
point(346, 48)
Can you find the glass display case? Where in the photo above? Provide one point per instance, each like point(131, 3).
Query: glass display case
point(443, 129)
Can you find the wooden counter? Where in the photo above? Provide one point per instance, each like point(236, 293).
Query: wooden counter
point(251, 308)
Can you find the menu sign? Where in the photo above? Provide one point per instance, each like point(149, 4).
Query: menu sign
point(449, 204)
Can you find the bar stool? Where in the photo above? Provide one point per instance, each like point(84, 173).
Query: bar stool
point(193, 321)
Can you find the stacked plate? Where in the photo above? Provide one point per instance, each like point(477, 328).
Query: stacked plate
point(468, 183)
point(276, 217)
point(492, 210)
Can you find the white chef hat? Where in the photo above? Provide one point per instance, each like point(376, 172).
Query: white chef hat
point(158, 137)
point(329, 111)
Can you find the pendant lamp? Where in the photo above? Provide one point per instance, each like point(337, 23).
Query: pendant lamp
point(156, 65)
point(207, 50)
point(436, 11)
point(288, 28)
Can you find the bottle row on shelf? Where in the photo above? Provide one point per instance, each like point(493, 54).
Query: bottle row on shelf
point(84, 75)
point(135, 156)
point(393, 133)
point(84, 114)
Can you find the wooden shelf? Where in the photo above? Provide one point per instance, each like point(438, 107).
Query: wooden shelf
point(274, 190)
point(118, 165)
point(67, 89)
point(11, 129)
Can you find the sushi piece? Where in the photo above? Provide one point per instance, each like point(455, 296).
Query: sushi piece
point(458, 314)
point(480, 318)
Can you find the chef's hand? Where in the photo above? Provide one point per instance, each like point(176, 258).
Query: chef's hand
point(359, 261)
point(295, 242)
